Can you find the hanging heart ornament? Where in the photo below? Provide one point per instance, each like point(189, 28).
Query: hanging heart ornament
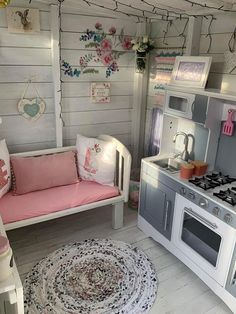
point(31, 109)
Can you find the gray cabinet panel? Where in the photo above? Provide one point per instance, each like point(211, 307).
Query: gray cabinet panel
point(199, 109)
point(157, 204)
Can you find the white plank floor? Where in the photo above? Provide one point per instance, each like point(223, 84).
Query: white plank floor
point(180, 290)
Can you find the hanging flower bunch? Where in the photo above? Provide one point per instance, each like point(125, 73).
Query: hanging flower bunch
point(142, 44)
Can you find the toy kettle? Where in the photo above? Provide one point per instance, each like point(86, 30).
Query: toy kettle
point(6, 259)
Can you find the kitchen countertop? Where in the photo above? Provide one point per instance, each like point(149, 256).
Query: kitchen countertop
point(176, 177)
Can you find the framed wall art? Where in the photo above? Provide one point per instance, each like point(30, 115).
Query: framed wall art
point(23, 20)
point(191, 71)
point(100, 92)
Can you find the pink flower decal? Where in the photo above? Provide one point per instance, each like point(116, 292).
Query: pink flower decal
point(98, 26)
point(106, 44)
point(107, 59)
point(126, 44)
point(112, 30)
point(99, 52)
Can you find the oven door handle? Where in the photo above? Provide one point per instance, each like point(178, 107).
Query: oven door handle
point(200, 218)
point(166, 215)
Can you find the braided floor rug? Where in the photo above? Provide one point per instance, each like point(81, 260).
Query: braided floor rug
point(92, 277)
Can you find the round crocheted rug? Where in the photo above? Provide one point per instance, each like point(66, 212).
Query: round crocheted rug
point(92, 277)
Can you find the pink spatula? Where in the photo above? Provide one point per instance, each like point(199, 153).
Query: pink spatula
point(228, 127)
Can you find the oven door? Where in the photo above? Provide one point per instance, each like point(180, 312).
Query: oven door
point(203, 238)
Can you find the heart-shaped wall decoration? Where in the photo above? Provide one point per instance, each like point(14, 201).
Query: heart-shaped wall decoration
point(230, 61)
point(31, 109)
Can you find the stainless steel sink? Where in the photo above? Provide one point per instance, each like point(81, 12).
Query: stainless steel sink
point(170, 164)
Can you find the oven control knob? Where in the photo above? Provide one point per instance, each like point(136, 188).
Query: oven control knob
point(216, 211)
point(228, 218)
point(182, 191)
point(191, 195)
point(203, 202)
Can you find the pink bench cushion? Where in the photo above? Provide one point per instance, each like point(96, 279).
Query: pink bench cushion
point(34, 204)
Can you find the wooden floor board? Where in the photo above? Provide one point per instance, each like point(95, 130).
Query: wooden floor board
point(180, 291)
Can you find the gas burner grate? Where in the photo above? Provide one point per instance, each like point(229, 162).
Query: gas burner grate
point(220, 178)
point(204, 182)
point(212, 180)
point(228, 196)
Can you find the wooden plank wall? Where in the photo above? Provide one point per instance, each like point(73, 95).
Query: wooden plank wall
point(162, 45)
point(80, 115)
point(21, 57)
point(221, 30)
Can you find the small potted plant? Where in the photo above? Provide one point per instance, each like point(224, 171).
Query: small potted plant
point(141, 46)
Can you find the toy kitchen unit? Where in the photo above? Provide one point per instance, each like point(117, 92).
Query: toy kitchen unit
point(195, 219)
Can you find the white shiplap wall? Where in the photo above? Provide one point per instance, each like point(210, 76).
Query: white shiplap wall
point(221, 31)
point(23, 56)
point(79, 114)
point(169, 44)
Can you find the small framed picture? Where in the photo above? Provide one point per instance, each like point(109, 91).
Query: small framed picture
point(191, 71)
point(23, 20)
point(100, 92)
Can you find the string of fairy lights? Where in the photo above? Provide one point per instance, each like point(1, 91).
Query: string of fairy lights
point(60, 59)
point(207, 6)
point(153, 11)
point(156, 11)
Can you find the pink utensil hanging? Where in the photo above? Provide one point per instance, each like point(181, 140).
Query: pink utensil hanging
point(228, 127)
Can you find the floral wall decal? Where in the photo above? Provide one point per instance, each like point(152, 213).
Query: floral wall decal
point(106, 52)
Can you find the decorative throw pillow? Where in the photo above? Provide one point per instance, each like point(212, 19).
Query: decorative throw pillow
point(96, 160)
point(44, 172)
point(5, 170)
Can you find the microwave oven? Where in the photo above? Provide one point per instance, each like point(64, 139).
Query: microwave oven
point(186, 105)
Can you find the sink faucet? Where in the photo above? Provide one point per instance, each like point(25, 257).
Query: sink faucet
point(184, 155)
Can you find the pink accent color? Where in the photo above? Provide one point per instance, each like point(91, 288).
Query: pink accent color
point(43, 172)
point(98, 26)
point(228, 127)
point(4, 244)
point(106, 44)
point(3, 174)
point(126, 44)
point(34, 204)
point(107, 59)
point(87, 160)
point(112, 30)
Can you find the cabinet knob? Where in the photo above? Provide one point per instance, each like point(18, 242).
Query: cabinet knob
point(203, 203)
point(228, 218)
point(216, 211)
point(191, 195)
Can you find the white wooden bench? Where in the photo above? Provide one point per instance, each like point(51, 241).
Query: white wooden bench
point(121, 180)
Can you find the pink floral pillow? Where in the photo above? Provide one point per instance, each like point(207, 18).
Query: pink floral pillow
point(43, 172)
point(96, 160)
point(5, 170)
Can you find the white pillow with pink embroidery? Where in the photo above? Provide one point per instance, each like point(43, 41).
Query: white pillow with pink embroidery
point(5, 169)
point(96, 160)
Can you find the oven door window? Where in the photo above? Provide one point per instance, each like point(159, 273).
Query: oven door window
point(201, 239)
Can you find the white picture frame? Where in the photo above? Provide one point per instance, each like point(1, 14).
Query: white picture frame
point(100, 92)
point(191, 71)
point(23, 20)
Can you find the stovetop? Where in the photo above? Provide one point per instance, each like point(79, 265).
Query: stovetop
point(212, 180)
point(218, 186)
point(216, 193)
point(228, 195)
